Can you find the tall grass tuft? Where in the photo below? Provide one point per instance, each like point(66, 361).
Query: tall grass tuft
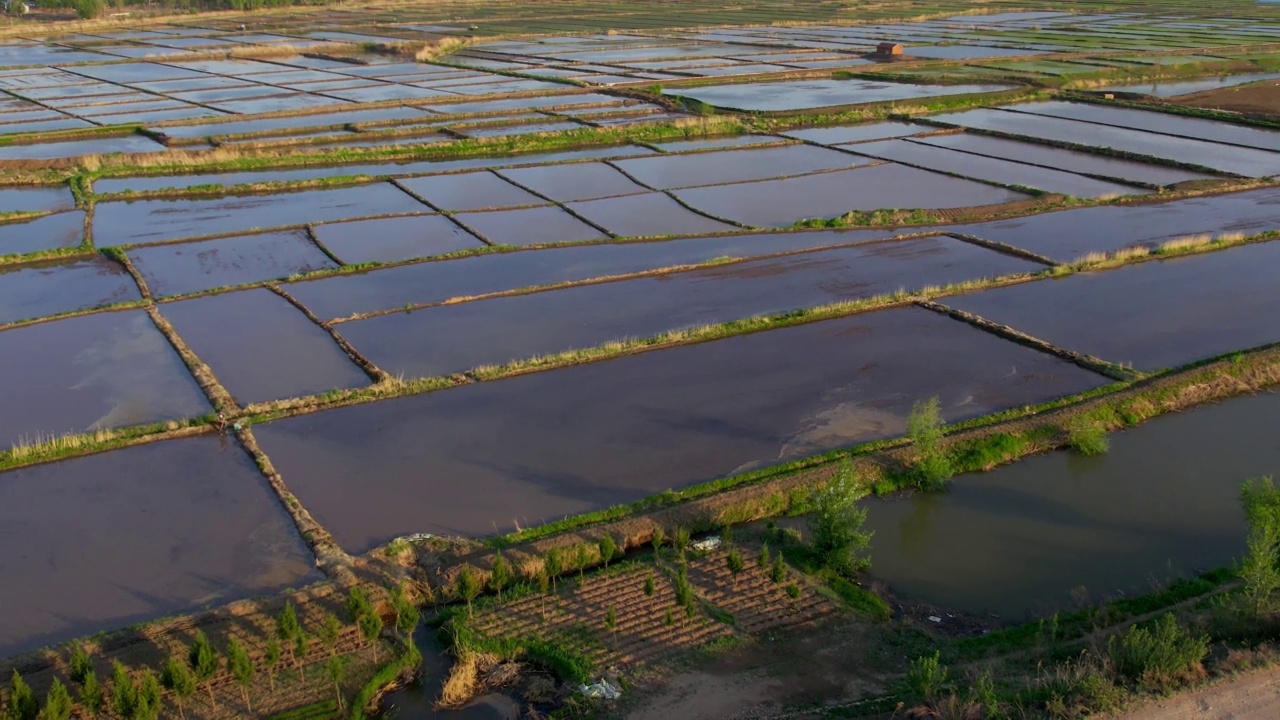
point(1157, 656)
point(31, 448)
point(1088, 438)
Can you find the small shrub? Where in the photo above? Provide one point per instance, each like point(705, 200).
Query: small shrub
point(23, 704)
point(778, 572)
point(1088, 438)
point(648, 586)
point(924, 427)
point(793, 591)
point(927, 677)
point(1158, 656)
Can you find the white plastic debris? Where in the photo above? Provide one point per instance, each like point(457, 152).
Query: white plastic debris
point(603, 689)
point(935, 618)
point(708, 544)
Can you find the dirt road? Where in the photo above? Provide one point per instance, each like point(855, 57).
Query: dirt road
point(1251, 696)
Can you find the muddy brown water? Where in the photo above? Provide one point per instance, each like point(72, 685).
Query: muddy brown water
point(33, 291)
point(524, 326)
point(996, 170)
point(490, 456)
point(529, 226)
point(392, 239)
point(433, 282)
point(103, 541)
point(262, 348)
point(1067, 235)
point(1069, 160)
point(1153, 315)
point(105, 370)
point(1247, 162)
point(666, 172)
point(60, 230)
point(779, 203)
point(151, 221)
point(1015, 542)
point(179, 268)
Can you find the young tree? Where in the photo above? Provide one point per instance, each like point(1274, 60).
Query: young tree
point(581, 559)
point(179, 680)
point(648, 585)
point(469, 586)
point(337, 669)
point(80, 664)
point(733, 561)
point(544, 584)
point(499, 575)
point(924, 426)
point(763, 559)
point(299, 652)
point(92, 699)
point(1258, 569)
point(608, 548)
point(836, 524)
point(778, 573)
point(659, 536)
point(150, 696)
point(203, 660)
point(681, 540)
point(242, 667)
point(288, 628)
point(23, 704)
point(554, 565)
point(611, 622)
point(407, 614)
point(57, 703)
point(330, 633)
point(272, 659)
point(358, 603)
point(371, 629)
point(124, 693)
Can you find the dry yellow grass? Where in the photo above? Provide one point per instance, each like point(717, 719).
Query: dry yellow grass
point(28, 447)
point(463, 682)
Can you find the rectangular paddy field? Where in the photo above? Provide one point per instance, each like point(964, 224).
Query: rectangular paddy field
point(208, 239)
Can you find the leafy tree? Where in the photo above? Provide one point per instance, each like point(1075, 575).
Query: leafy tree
point(288, 628)
point(836, 524)
point(581, 559)
point(469, 586)
point(358, 603)
point(124, 693)
point(499, 574)
point(242, 667)
point(337, 669)
point(330, 632)
point(23, 704)
point(407, 614)
point(608, 548)
point(299, 653)
point(91, 697)
point(203, 660)
point(554, 565)
point(150, 696)
point(178, 678)
point(924, 426)
point(272, 659)
point(57, 704)
point(370, 629)
point(733, 561)
point(1258, 569)
point(80, 663)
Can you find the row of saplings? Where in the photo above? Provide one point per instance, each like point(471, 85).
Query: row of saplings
point(143, 693)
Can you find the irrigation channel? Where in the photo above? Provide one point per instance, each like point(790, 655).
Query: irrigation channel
point(1034, 537)
point(416, 701)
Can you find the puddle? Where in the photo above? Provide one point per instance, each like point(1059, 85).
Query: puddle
point(574, 181)
point(651, 214)
point(62, 230)
point(149, 221)
point(1053, 525)
point(779, 203)
point(417, 700)
point(106, 370)
point(470, 191)
point(1068, 160)
point(530, 226)
point(393, 239)
point(104, 541)
point(33, 291)
point(812, 94)
point(481, 458)
point(1005, 172)
point(391, 288)
point(1143, 315)
point(666, 172)
point(181, 268)
point(504, 329)
point(262, 348)
point(1241, 161)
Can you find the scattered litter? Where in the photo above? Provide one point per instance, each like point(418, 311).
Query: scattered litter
point(417, 537)
point(603, 689)
point(708, 544)
point(935, 618)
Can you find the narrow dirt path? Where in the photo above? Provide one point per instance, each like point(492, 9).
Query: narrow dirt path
point(1254, 695)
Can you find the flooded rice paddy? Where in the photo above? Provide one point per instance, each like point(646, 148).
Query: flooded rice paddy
point(1050, 530)
point(506, 452)
point(100, 542)
point(658, 199)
